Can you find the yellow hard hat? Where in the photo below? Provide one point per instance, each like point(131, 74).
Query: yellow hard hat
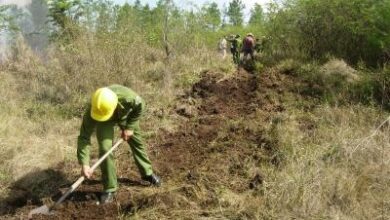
point(104, 102)
point(250, 34)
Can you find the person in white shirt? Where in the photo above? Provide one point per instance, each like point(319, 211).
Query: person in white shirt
point(222, 47)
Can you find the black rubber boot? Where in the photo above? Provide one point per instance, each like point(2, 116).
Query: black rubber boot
point(153, 179)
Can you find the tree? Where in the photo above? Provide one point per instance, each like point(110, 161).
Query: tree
point(257, 15)
point(354, 30)
point(235, 12)
point(64, 14)
point(211, 15)
point(137, 5)
point(8, 17)
point(166, 8)
point(123, 15)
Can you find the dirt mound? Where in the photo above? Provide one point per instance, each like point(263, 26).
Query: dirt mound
point(226, 129)
point(220, 134)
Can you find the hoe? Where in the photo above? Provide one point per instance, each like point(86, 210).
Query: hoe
point(47, 210)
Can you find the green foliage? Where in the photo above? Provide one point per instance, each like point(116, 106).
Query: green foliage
point(325, 86)
point(8, 17)
point(235, 12)
point(288, 66)
point(258, 67)
point(211, 16)
point(337, 84)
point(64, 14)
point(353, 30)
point(281, 35)
point(257, 15)
point(381, 87)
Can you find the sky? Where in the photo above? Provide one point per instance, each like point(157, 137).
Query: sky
point(185, 3)
point(182, 3)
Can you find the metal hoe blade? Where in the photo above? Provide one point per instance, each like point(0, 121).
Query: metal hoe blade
point(45, 210)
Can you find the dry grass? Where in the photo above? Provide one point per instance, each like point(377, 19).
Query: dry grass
point(33, 138)
point(326, 175)
point(341, 68)
point(42, 100)
point(327, 171)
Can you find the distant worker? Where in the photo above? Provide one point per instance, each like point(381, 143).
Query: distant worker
point(234, 48)
point(248, 46)
point(110, 106)
point(222, 47)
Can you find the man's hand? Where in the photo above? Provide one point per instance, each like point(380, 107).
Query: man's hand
point(126, 134)
point(86, 171)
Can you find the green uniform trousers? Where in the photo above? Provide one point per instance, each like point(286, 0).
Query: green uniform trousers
point(236, 56)
point(105, 135)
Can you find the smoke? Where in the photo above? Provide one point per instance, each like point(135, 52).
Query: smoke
point(30, 16)
point(3, 46)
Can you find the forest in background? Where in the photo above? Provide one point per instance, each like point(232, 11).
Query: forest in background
point(295, 28)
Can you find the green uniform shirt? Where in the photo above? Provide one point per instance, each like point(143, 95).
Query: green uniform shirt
point(234, 43)
point(127, 113)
